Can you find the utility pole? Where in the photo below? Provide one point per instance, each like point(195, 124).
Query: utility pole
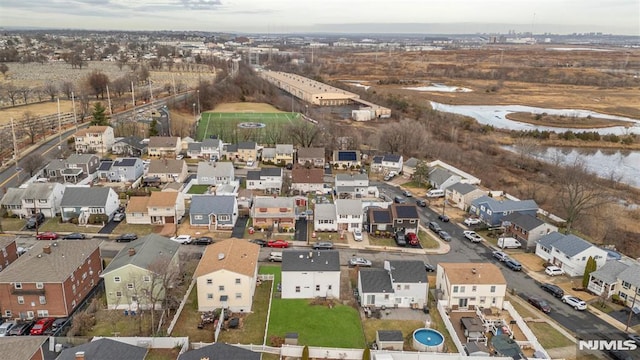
point(15, 149)
point(633, 305)
point(109, 101)
point(59, 127)
point(73, 101)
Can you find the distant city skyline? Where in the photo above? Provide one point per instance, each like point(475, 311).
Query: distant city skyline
point(620, 17)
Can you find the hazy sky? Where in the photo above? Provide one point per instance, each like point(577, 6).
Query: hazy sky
point(278, 16)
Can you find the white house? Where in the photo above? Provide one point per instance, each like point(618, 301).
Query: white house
point(226, 276)
point(354, 185)
point(440, 178)
point(461, 195)
point(401, 284)
point(310, 274)
point(470, 285)
point(97, 139)
point(325, 218)
point(82, 202)
point(215, 173)
point(42, 198)
point(349, 214)
point(267, 179)
point(617, 277)
point(306, 180)
point(387, 163)
point(569, 252)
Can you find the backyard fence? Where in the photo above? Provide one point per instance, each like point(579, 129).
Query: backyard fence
point(449, 326)
point(182, 303)
point(152, 342)
point(532, 339)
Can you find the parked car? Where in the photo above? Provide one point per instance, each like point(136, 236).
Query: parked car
point(472, 221)
point(553, 290)
point(126, 237)
point(553, 271)
point(508, 243)
point(472, 236)
point(443, 218)
point(407, 193)
point(357, 234)
point(47, 235)
point(433, 226)
point(323, 245)
point(182, 239)
point(5, 327)
point(275, 256)
point(278, 243)
point(500, 255)
point(444, 235)
point(21, 328)
point(399, 200)
point(57, 325)
point(119, 217)
point(421, 203)
point(41, 326)
point(203, 240)
point(513, 264)
point(540, 304)
point(35, 220)
point(250, 163)
point(412, 239)
point(574, 302)
point(429, 267)
point(400, 238)
point(75, 236)
point(358, 261)
point(260, 242)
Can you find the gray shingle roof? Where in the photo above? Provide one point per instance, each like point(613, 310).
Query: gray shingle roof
point(609, 271)
point(284, 149)
point(20, 347)
point(163, 141)
point(133, 141)
point(269, 153)
point(253, 175)
point(506, 205)
point(314, 260)
point(307, 153)
point(232, 148)
point(462, 188)
point(569, 245)
point(212, 204)
point(390, 335)
point(411, 162)
point(247, 145)
point(352, 177)
point(271, 171)
point(13, 196)
point(39, 190)
point(213, 143)
point(271, 202)
point(631, 275)
point(147, 250)
point(105, 349)
point(215, 169)
point(325, 212)
point(440, 175)
point(194, 146)
point(80, 158)
point(376, 281)
point(166, 166)
point(349, 207)
point(82, 196)
point(408, 271)
point(524, 221)
point(220, 351)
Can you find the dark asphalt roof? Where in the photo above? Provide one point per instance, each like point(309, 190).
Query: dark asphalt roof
point(314, 260)
point(220, 351)
point(375, 281)
point(105, 349)
point(408, 271)
point(390, 335)
point(125, 162)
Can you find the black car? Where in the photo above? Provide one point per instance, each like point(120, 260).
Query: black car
point(57, 325)
point(260, 242)
point(74, 236)
point(126, 237)
point(434, 227)
point(513, 265)
point(421, 203)
point(429, 267)
point(399, 200)
point(401, 239)
point(203, 240)
point(35, 220)
point(21, 329)
point(444, 235)
point(540, 304)
point(323, 245)
point(443, 218)
point(553, 289)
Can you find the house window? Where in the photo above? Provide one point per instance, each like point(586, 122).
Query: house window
point(118, 293)
point(43, 313)
point(146, 278)
point(197, 217)
point(238, 295)
point(209, 296)
point(39, 285)
point(7, 313)
point(223, 218)
point(329, 287)
point(493, 288)
point(398, 287)
point(483, 299)
point(297, 289)
point(17, 285)
point(73, 288)
point(412, 221)
point(129, 286)
point(626, 285)
point(30, 314)
point(474, 288)
point(116, 279)
point(238, 281)
point(462, 289)
point(42, 300)
point(406, 287)
point(317, 287)
point(21, 300)
point(221, 287)
point(209, 281)
point(455, 289)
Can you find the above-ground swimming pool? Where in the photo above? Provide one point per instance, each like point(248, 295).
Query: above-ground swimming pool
point(428, 340)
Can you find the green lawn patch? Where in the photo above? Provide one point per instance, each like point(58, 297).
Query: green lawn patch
point(115, 323)
point(55, 225)
point(381, 241)
point(406, 326)
point(13, 224)
point(414, 184)
point(198, 189)
point(187, 324)
point(162, 354)
point(548, 336)
point(427, 241)
point(253, 324)
point(249, 126)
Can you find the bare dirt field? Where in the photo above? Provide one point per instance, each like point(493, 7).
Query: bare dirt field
point(246, 106)
point(39, 109)
point(567, 121)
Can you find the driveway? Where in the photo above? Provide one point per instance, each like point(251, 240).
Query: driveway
point(108, 229)
point(301, 230)
point(238, 229)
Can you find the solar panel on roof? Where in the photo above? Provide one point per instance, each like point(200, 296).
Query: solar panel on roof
point(347, 156)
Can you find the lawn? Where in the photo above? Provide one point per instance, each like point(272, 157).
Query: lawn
point(162, 354)
point(438, 324)
point(56, 226)
point(187, 324)
point(13, 224)
point(548, 336)
point(406, 326)
point(427, 241)
point(258, 125)
point(115, 323)
point(198, 189)
point(253, 325)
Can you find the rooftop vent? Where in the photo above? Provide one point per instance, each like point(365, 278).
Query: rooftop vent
point(220, 256)
point(473, 270)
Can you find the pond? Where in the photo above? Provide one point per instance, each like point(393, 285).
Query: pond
point(496, 115)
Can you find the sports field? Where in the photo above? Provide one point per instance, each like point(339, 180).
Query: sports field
point(261, 127)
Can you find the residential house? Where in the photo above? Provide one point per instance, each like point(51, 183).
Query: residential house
point(491, 211)
point(131, 146)
point(23, 347)
point(405, 218)
point(121, 170)
point(215, 173)
point(164, 146)
point(464, 176)
point(268, 156)
point(243, 151)
point(470, 285)
point(42, 198)
point(210, 149)
point(311, 156)
point(346, 159)
point(401, 284)
point(284, 154)
point(139, 275)
point(82, 202)
point(351, 185)
point(409, 166)
point(167, 170)
point(52, 280)
point(526, 228)
point(226, 276)
point(440, 178)
point(461, 195)
point(617, 277)
point(307, 180)
point(12, 202)
point(162, 207)
point(220, 351)
point(276, 213)
point(184, 143)
point(349, 214)
point(310, 274)
point(74, 168)
point(88, 163)
point(267, 179)
point(213, 212)
point(8, 251)
point(104, 349)
point(325, 218)
point(569, 252)
point(379, 220)
point(375, 287)
point(94, 139)
point(387, 163)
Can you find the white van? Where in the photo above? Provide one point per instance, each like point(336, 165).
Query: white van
point(435, 193)
point(508, 243)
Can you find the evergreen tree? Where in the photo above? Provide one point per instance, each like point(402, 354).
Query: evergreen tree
point(366, 354)
point(589, 268)
point(99, 116)
point(305, 353)
point(153, 128)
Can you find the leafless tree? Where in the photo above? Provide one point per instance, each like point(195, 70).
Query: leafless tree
point(303, 133)
point(122, 60)
point(163, 276)
point(3, 69)
point(31, 127)
point(67, 88)
point(32, 163)
point(578, 193)
point(526, 147)
point(120, 86)
point(98, 82)
point(51, 90)
point(12, 93)
point(25, 92)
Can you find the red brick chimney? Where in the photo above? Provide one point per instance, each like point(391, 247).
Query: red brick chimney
point(46, 249)
point(80, 355)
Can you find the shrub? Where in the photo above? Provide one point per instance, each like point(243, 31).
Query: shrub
point(276, 341)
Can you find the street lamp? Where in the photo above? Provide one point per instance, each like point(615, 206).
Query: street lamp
point(198, 96)
point(194, 111)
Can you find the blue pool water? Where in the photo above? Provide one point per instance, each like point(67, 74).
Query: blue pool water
point(428, 337)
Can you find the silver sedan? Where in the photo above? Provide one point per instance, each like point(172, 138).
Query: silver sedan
point(358, 261)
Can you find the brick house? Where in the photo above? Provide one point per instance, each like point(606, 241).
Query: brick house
point(8, 251)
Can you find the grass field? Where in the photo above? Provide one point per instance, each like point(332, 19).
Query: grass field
point(270, 127)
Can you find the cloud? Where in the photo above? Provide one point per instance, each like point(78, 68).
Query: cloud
point(202, 4)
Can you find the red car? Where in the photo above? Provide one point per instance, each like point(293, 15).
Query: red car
point(412, 239)
point(41, 326)
point(278, 244)
point(47, 236)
